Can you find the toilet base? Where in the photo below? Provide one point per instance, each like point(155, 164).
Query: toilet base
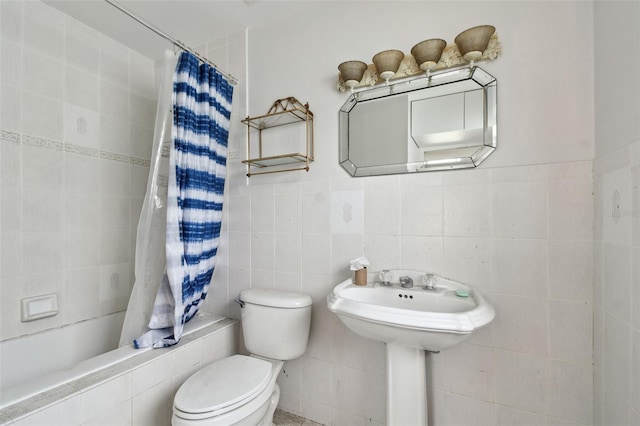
point(267, 420)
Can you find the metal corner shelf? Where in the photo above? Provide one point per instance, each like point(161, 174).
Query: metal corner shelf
point(283, 112)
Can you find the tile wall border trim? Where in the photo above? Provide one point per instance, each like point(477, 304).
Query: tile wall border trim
point(82, 150)
point(139, 161)
point(38, 142)
point(42, 142)
point(10, 136)
point(107, 155)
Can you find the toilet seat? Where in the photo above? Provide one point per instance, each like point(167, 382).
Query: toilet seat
point(222, 386)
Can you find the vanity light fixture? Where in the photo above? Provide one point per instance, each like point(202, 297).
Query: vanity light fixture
point(473, 45)
point(427, 53)
point(352, 72)
point(387, 63)
point(473, 42)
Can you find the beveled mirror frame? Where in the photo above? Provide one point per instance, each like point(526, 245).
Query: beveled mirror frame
point(478, 143)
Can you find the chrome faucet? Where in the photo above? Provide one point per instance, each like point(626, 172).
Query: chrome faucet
point(430, 282)
point(406, 282)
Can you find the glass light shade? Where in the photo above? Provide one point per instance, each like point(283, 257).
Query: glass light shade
point(387, 62)
point(474, 41)
point(352, 72)
point(428, 52)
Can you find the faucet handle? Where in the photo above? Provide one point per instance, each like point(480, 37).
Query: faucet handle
point(385, 277)
point(430, 281)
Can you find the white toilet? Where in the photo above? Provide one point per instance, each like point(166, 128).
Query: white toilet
point(242, 390)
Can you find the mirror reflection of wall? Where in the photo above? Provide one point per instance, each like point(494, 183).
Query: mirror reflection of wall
point(374, 129)
point(449, 121)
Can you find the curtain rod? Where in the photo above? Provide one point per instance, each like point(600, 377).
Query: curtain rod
point(170, 39)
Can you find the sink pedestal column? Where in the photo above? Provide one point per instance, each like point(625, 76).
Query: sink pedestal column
point(406, 386)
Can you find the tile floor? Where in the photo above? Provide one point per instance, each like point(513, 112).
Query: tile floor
point(283, 418)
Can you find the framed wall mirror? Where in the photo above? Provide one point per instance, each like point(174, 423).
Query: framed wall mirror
point(446, 120)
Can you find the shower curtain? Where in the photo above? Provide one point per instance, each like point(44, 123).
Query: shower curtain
point(150, 239)
point(179, 276)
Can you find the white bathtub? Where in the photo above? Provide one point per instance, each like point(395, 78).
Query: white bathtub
point(28, 357)
point(32, 365)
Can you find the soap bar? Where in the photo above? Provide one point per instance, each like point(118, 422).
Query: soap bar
point(462, 293)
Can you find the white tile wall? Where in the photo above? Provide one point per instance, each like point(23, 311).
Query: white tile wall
point(70, 196)
point(617, 222)
point(539, 344)
point(459, 220)
point(571, 269)
point(517, 267)
point(469, 371)
point(520, 228)
point(571, 338)
point(82, 88)
point(521, 381)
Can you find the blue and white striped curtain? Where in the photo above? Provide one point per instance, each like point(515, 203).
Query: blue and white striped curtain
point(200, 132)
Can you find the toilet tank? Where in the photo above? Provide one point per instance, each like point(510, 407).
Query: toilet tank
point(275, 323)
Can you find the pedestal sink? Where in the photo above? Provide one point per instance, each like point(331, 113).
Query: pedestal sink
point(434, 314)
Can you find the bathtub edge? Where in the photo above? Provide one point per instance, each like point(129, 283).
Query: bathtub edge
point(31, 405)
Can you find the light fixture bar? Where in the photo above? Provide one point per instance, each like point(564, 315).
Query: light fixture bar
point(422, 78)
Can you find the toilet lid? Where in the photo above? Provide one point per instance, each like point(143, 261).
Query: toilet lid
point(224, 383)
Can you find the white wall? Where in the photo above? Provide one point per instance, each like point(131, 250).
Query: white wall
point(617, 214)
point(77, 115)
point(519, 228)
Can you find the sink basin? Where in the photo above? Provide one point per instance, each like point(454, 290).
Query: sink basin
point(409, 320)
point(413, 317)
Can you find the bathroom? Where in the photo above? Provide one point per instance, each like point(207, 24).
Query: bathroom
point(547, 228)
